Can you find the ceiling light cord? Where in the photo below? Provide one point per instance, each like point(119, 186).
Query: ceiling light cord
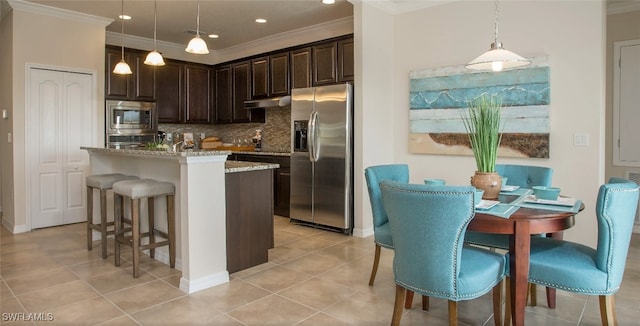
point(155, 24)
point(122, 30)
point(495, 33)
point(198, 21)
point(122, 68)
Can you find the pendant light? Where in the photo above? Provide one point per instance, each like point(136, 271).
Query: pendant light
point(154, 58)
point(497, 58)
point(122, 68)
point(197, 45)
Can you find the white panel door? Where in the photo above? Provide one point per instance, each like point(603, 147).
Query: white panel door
point(626, 100)
point(59, 122)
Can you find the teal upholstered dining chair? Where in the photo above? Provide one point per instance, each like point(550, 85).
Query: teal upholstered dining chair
point(381, 233)
point(523, 176)
point(580, 269)
point(428, 224)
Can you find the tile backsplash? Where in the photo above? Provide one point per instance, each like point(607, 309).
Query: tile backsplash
point(276, 131)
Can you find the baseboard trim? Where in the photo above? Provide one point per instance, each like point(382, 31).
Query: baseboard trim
point(191, 286)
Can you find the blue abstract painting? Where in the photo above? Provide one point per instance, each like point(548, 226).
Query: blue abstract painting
point(436, 97)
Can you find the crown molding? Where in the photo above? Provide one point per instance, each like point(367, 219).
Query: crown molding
point(397, 7)
point(620, 7)
point(35, 8)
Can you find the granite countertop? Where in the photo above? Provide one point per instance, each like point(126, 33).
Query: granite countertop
point(154, 152)
point(262, 153)
point(242, 166)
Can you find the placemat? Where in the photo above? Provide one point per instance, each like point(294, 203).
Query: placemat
point(518, 192)
point(500, 210)
point(573, 209)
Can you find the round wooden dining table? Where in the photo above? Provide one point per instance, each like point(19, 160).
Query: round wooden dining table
point(520, 226)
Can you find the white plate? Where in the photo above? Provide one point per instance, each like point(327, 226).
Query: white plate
point(486, 204)
point(509, 188)
point(561, 201)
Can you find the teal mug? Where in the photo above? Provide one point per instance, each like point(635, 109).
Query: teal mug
point(435, 182)
point(478, 196)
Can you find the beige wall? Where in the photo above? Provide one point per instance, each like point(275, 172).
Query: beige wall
point(454, 34)
point(6, 156)
point(53, 42)
point(620, 27)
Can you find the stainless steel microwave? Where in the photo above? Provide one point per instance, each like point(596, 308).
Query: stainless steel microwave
point(131, 118)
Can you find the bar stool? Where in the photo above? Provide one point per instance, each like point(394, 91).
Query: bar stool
point(102, 182)
point(136, 190)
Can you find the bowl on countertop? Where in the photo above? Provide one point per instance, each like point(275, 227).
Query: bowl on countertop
point(546, 193)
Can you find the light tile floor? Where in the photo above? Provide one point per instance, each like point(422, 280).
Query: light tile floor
point(313, 277)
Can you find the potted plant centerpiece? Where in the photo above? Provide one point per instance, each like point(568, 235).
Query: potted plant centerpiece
point(482, 122)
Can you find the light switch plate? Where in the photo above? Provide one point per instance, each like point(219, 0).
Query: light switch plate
point(5, 114)
point(581, 139)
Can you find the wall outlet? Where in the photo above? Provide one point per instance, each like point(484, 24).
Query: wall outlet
point(169, 137)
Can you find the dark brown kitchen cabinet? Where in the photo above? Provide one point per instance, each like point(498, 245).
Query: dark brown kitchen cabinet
point(232, 86)
point(279, 74)
point(170, 92)
point(301, 68)
point(345, 60)
point(198, 94)
point(260, 78)
point(241, 90)
point(138, 86)
point(324, 58)
point(222, 94)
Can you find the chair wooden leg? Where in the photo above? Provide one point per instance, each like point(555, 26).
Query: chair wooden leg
point(533, 294)
point(497, 304)
point(135, 229)
point(453, 313)
point(103, 221)
point(408, 299)
point(425, 303)
point(374, 269)
point(397, 307)
point(89, 218)
point(152, 236)
point(507, 303)
point(118, 227)
point(551, 298)
point(607, 310)
point(171, 228)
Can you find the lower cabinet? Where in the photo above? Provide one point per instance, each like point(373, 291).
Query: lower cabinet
point(249, 204)
point(281, 179)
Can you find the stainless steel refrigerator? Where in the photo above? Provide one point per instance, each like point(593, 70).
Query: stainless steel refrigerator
point(322, 157)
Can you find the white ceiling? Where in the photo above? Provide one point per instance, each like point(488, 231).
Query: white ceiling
point(232, 20)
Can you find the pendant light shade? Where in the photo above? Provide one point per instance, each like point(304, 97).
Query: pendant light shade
point(154, 58)
point(197, 45)
point(122, 68)
point(497, 58)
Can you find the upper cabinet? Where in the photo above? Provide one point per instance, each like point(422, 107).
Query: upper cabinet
point(260, 77)
point(198, 94)
point(170, 88)
point(139, 86)
point(345, 60)
point(325, 58)
point(222, 94)
point(301, 68)
point(231, 87)
point(279, 74)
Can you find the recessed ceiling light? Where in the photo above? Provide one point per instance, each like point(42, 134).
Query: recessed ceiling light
point(213, 36)
point(328, 2)
point(124, 17)
point(261, 20)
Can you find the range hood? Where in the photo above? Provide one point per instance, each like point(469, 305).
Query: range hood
point(268, 102)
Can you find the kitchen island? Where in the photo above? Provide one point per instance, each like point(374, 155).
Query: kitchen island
point(200, 204)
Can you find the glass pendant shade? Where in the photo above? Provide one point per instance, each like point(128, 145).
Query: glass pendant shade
point(154, 58)
point(497, 59)
point(122, 68)
point(197, 46)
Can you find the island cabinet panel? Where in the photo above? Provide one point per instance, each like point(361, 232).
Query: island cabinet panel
point(324, 63)
point(249, 222)
point(346, 66)
point(301, 68)
point(197, 92)
point(279, 74)
point(170, 92)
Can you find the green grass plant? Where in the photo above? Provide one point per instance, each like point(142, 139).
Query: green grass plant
point(482, 121)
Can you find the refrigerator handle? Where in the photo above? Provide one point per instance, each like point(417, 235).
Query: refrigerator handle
point(313, 137)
